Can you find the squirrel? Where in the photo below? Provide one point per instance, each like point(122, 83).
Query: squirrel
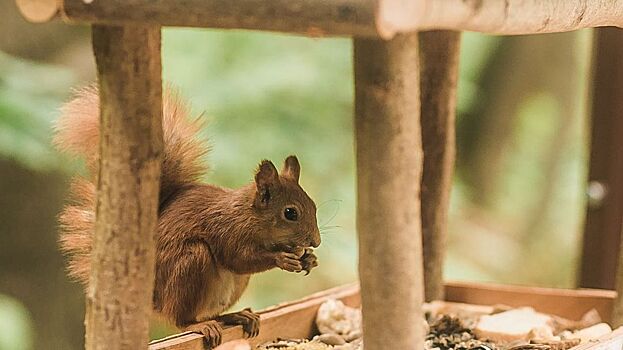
point(210, 239)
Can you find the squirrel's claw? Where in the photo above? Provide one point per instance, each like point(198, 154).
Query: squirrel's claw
point(289, 262)
point(309, 261)
point(249, 320)
point(211, 331)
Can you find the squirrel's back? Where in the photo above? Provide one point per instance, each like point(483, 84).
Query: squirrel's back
point(77, 133)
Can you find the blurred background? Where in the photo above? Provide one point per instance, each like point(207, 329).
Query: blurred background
point(518, 199)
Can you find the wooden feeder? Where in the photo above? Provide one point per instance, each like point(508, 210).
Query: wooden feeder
point(404, 161)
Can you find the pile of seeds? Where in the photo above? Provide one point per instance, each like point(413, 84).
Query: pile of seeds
point(448, 333)
point(452, 326)
point(294, 344)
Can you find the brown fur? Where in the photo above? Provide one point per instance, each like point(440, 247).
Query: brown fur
point(210, 239)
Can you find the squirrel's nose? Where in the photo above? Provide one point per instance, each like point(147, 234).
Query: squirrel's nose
point(315, 241)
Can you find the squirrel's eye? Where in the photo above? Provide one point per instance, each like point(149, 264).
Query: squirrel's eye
point(291, 214)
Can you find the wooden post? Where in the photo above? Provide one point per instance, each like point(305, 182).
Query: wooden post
point(439, 62)
point(389, 168)
point(122, 274)
point(602, 235)
point(602, 230)
point(617, 308)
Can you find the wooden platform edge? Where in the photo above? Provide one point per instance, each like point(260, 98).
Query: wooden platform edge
point(295, 319)
point(273, 321)
point(569, 303)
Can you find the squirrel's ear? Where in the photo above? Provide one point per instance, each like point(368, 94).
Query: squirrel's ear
point(266, 181)
point(291, 168)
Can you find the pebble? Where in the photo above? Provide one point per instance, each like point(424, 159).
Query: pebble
point(344, 347)
point(330, 339)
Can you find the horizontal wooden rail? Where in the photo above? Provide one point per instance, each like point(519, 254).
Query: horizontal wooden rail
point(363, 18)
point(368, 18)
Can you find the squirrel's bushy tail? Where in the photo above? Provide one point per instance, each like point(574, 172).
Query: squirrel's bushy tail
point(77, 133)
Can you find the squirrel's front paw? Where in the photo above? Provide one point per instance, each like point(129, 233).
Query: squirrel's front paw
point(309, 260)
point(289, 262)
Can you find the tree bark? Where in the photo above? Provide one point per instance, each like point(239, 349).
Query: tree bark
point(121, 284)
point(312, 17)
point(389, 168)
point(439, 61)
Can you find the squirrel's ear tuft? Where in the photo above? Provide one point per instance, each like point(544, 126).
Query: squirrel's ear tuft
point(291, 168)
point(266, 181)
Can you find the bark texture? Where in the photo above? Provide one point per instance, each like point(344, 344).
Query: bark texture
point(120, 290)
point(602, 230)
point(439, 61)
point(312, 17)
point(389, 168)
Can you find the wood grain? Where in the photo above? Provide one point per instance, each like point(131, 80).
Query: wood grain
point(311, 17)
point(119, 297)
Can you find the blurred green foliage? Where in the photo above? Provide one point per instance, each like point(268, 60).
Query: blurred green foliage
point(270, 95)
point(30, 94)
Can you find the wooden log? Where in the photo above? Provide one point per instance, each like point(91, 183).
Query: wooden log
point(513, 16)
point(119, 297)
point(604, 213)
point(342, 17)
point(439, 62)
point(389, 167)
point(312, 17)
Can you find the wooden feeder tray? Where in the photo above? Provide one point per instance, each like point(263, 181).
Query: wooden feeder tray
point(296, 319)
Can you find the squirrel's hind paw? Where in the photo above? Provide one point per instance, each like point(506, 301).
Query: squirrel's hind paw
point(249, 320)
point(211, 331)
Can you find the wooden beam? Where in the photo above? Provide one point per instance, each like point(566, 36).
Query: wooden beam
point(311, 17)
point(604, 218)
point(119, 297)
point(389, 168)
point(439, 62)
point(514, 16)
point(367, 18)
point(294, 319)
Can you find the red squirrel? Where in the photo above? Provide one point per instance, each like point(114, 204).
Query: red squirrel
point(210, 239)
